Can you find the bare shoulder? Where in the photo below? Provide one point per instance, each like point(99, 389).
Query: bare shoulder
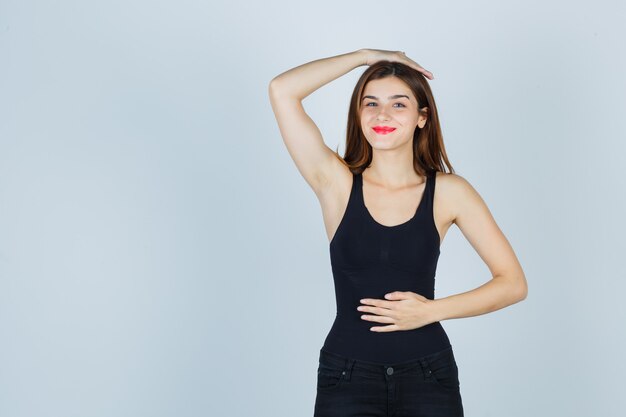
point(455, 193)
point(447, 181)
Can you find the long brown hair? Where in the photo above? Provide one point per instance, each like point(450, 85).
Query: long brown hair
point(429, 153)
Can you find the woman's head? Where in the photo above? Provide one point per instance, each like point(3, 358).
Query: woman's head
point(389, 102)
point(394, 95)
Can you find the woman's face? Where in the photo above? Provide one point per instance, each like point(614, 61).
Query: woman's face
point(388, 102)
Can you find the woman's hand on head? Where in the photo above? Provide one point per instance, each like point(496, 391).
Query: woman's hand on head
point(375, 55)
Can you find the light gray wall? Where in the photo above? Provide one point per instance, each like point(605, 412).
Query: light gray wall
point(160, 254)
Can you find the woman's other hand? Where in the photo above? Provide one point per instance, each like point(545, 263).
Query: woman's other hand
point(375, 55)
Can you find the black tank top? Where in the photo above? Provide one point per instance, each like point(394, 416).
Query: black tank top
point(369, 260)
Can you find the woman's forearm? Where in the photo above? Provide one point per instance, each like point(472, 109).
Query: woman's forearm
point(302, 80)
point(497, 293)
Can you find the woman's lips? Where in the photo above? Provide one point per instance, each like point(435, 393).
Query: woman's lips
point(383, 131)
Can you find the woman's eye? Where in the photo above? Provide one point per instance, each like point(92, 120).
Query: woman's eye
point(368, 104)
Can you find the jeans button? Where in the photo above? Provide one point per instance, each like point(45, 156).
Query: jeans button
point(389, 370)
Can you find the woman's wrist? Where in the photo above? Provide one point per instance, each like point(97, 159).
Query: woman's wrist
point(364, 53)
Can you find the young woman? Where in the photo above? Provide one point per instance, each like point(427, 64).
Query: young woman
point(387, 353)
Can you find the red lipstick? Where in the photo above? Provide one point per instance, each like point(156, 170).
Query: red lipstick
point(383, 130)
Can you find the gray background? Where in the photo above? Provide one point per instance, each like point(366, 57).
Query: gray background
point(160, 255)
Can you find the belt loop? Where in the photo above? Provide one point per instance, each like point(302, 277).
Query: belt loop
point(425, 368)
point(348, 368)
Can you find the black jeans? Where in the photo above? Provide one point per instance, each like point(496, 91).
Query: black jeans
point(424, 387)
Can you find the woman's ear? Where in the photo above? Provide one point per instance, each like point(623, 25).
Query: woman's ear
point(423, 117)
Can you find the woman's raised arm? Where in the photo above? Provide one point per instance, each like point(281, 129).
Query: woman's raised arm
point(315, 161)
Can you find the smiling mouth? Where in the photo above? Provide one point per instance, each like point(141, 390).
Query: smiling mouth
point(383, 131)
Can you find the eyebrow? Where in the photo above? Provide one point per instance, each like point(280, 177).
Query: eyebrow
point(390, 97)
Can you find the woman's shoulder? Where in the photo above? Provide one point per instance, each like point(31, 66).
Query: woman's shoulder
point(452, 192)
point(451, 179)
point(452, 186)
point(455, 190)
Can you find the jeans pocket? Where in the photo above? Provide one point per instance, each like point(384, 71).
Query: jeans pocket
point(446, 375)
point(329, 377)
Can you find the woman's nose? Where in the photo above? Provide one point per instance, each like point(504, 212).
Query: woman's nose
point(382, 116)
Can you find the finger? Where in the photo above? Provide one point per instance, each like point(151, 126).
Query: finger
point(426, 73)
point(378, 302)
point(421, 69)
point(420, 297)
point(382, 329)
point(371, 301)
point(384, 312)
point(378, 319)
point(398, 295)
point(376, 310)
